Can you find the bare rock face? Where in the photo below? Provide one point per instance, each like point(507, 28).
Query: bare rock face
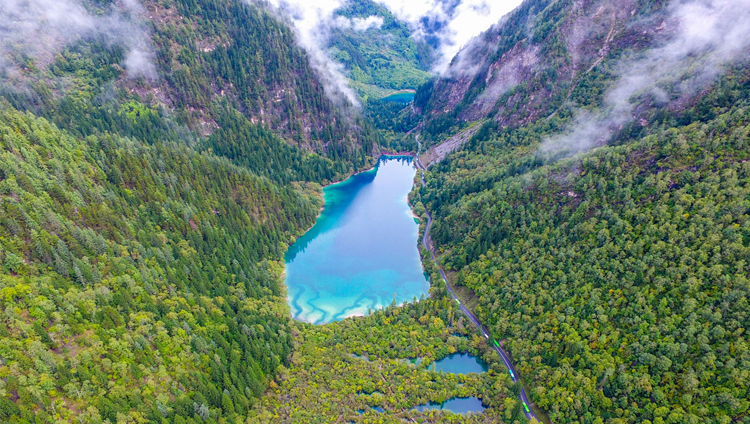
point(542, 50)
point(437, 153)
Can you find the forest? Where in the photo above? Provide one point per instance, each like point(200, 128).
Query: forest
point(340, 371)
point(380, 60)
point(141, 283)
point(143, 224)
point(618, 276)
point(207, 51)
point(142, 248)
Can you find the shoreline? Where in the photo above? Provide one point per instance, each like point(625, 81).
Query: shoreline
point(382, 154)
point(284, 287)
point(398, 92)
point(323, 187)
point(322, 208)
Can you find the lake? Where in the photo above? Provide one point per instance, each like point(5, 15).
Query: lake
point(459, 405)
point(362, 250)
point(400, 97)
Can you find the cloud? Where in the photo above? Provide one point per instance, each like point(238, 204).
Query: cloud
point(449, 24)
point(358, 24)
point(312, 21)
point(446, 24)
point(39, 29)
point(709, 35)
point(140, 63)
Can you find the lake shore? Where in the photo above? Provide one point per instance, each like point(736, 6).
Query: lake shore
point(320, 274)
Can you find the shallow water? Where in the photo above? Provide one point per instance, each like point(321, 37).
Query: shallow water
point(456, 405)
point(361, 251)
point(460, 363)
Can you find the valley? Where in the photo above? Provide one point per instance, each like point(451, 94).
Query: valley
point(241, 211)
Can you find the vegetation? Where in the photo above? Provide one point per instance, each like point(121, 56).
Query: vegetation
point(379, 60)
point(339, 371)
point(140, 283)
point(224, 65)
point(143, 225)
point(617, 277)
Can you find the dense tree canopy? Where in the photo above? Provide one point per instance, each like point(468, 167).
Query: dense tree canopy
point(619, 276)
point(139, 283)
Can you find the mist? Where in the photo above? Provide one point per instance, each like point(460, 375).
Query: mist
point(451, 24)
point(358, 24)
point(313, 20)
point(37, 30)
point(446, 24)
point(709, 35)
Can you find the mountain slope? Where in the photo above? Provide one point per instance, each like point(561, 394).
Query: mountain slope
point(218, 63)
point(141, 271)
point(380, 58)
point(140, 282)
point(599, 224)
point(542, 56)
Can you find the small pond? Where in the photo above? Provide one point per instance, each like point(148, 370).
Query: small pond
point(461, 405)
point(460, 363)
point(405, 96)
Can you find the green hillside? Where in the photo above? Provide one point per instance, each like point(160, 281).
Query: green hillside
point(379, 60)
point(616, 276)
point(221, 63)
point(140, 283)
point(144, 221)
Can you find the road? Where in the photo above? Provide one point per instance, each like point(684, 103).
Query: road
point(486, 333)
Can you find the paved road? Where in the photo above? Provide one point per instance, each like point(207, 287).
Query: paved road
point(492, 342)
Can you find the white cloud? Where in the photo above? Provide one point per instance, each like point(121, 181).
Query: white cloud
point(710, 34)
point(39, 29)
point(358, 24)
point(140, 63)
point(453, 23)
point(312, 20)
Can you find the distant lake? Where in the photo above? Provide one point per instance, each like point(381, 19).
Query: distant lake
point(361, 251)
point(400, 97)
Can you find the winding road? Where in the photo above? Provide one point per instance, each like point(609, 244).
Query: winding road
point(492, 342)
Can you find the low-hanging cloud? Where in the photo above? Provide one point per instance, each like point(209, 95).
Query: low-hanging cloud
point(39, 29)
point(447, 24)
point(451, 24)
point(710, 35)
point(358, 24)
point(312, 21)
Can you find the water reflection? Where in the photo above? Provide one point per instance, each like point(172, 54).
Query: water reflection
point(362, 251)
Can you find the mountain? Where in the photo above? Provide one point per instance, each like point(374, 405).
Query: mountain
point(140, 282)
point(147, 200)
point(378, 50)
point(218, 64)
point(588, 179)
point(543, 56)
point(589, 186)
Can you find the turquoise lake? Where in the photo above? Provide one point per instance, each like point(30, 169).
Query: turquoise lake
point(460, 363)
point(402, 97)
point(456, 405)
point(362, 250)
